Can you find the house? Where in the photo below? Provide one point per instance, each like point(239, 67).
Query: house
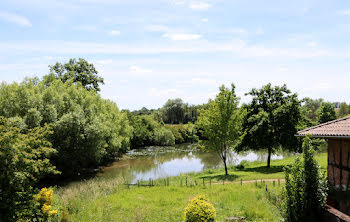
point(337, 135)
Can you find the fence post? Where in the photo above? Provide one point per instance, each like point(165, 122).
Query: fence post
point(241, 181)
point(203, 181)
point(223, 181)
point(278, 181)
point(256, 182)
point(186, 181)
point(274, 183)
point(210, 181)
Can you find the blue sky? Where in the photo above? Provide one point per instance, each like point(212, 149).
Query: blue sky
point(149, 51)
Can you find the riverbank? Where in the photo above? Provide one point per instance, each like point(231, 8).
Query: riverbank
point(108, 199)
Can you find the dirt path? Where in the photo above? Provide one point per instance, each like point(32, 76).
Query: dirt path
point(251, 181)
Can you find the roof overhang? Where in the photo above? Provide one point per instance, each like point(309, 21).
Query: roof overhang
point(324, 136)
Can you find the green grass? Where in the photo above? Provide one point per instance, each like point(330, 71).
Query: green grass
point(168, 203)
point(110, 200)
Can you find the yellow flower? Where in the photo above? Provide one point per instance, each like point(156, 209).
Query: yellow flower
point(46, 209)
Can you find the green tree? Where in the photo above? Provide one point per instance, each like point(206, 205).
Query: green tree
point(343, 110)
point(271, 120)
point(309, 109)
point(79, 71)
point(24, 159)
point(174, 111)
point(305, 189)
point(326, 112)
point(221, 122)
point(87, 130)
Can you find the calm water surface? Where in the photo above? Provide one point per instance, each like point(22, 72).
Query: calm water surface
point(159, 162)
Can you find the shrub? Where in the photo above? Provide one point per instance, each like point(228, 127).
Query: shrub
point(163, 137)
point(44, 200)
point(199, 209)
point(306, 188)
point(243, 164)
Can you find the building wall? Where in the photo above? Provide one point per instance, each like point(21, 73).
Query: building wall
point(339, 162)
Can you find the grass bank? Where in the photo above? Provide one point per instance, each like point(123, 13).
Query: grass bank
point(168, 203)
point(111, 200)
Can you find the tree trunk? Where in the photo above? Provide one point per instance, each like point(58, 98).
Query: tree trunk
point(269, 157)
point(226, 173)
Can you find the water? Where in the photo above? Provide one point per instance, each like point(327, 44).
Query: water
point(161, 162)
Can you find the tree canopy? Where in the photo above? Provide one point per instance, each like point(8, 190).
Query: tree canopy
point(79, 71)
point(326, 112)
point(271, 120)
point(221, 122)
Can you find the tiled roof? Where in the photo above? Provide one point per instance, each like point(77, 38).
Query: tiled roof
point(336, 128)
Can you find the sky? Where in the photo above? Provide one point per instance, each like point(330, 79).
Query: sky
point(155, 50)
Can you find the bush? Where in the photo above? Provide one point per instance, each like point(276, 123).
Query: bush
point(163, 137)
point(24, 160)
point(199, 209)
point(305, 189)
point(44, 200)
point(243, 164)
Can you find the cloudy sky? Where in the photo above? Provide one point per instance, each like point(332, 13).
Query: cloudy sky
point(149, 51)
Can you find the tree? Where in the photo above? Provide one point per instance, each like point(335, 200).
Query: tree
point(221, 122)
point(343, 110)
point(24, 159)
point(310, 107)
point(326, 112)
point(174, 110)
point(305, 189)
point(271, 120)
point(79, 71)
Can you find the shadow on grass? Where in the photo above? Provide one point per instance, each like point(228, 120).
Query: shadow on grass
point(264, 169)
point(230, 177)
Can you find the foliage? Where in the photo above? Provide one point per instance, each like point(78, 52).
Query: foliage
point(86, 128)
point(326, 112)
point(343, 110)
point(79, 71)
point(184, 133)
point(309, 109)
point(199, 209)
point(174, 111)
point(24, 159)
point(271, 120)
point(221, 122)
point(45, 199)
point(163, 137)
point(306, 188)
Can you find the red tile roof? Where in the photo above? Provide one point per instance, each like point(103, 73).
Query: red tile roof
point(336, 128)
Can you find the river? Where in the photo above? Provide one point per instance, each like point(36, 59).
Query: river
point(160, 162)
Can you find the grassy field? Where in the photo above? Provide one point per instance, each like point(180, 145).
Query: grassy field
point(111, 200)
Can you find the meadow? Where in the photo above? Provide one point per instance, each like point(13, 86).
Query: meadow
point(111, 200)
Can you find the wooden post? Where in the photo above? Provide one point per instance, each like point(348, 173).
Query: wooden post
point(241, 181)
point(210, 181)
point(186, 181)
point(223, 181)
point(274, 183)
point(203, 181)
point(279, 182)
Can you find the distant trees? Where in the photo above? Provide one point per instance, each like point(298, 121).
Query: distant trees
point(326, 112)
point(79, 71)
point(221, 123)
point(271, 120)
point(343, 110)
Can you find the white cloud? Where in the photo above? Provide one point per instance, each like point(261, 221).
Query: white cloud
point(344, 12)
point(312, 44)
point(259, 31)
point(204, 20)
point(238, 30)
point(182, 36)
point(104, 62)
point(15, 19)
point(114, 32)
point(137, 69)
point(157, 28)
point(87, 28)
point(199, 5)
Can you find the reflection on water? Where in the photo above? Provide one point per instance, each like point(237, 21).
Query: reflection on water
point(161, 162)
